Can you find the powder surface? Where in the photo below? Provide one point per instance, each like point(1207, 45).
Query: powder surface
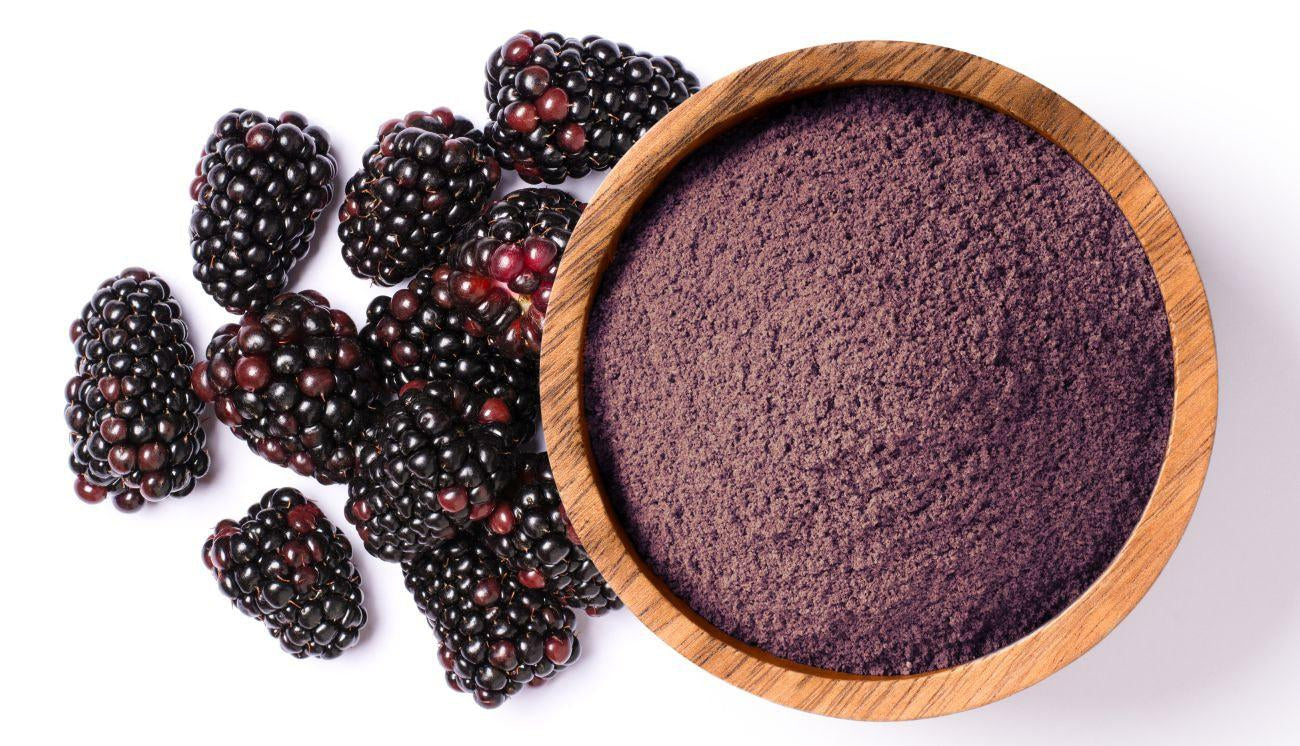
point(880, 381)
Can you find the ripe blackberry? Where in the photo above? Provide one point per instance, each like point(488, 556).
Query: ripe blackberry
point(286, 565)
point(499, 275)
point(134, 416)
point(530, 532)
point(494, 635)
point(425, 176)
point(411, 338)
point(430, 466)
point(564, 107)
point(261, 185)
point(293, 382)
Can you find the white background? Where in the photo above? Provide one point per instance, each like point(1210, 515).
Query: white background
point(111, 626)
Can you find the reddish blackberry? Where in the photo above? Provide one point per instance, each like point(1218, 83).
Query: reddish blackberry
point(428, 467)
point(425, 176)
point(411, 338)
point(499, 275)
point(564, 107)
point(286, 565)
point(495, 636)
point(293, 382)
point(261, 185)
point(530, 532)
point(134, 416)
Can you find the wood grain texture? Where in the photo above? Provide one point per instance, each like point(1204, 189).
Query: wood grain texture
point(1092, 615)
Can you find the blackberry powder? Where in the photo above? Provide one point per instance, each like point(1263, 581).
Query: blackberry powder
point(901, 379)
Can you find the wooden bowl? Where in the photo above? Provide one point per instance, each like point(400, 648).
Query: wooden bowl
point(1082, 623)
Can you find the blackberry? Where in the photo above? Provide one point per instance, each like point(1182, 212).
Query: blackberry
point(286, 565)
point(427, 469)
point(293, 382)
point(261, 185)
point(425, 176)
point(494, 635)
point(530, 532)
point(134, 416)
point(499, 275)
point(563, 107)
point(411, 338)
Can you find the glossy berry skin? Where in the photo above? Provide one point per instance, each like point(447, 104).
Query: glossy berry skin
point(410, 337)
point(293, 383)
point(429, 467)
point(531, 534)
point(261, 186)
point(495, 636)
point(427, 175)
point(499, 276)
point(287, 566)
point(563, 107)
point(134, 415)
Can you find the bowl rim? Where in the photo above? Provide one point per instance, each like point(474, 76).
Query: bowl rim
point(1089, 617)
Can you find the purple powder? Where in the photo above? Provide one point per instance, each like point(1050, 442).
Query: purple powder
point(880, 381)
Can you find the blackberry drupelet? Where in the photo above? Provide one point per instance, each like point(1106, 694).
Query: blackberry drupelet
point(261, 185)
point(499, 276)
point(426, 175)
point(293, 382)
point(429, 467)
point(411, 338)
point(563, 107)
point(133, 413)
point(286, 565)
point(530, 532)
point(494, 635)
